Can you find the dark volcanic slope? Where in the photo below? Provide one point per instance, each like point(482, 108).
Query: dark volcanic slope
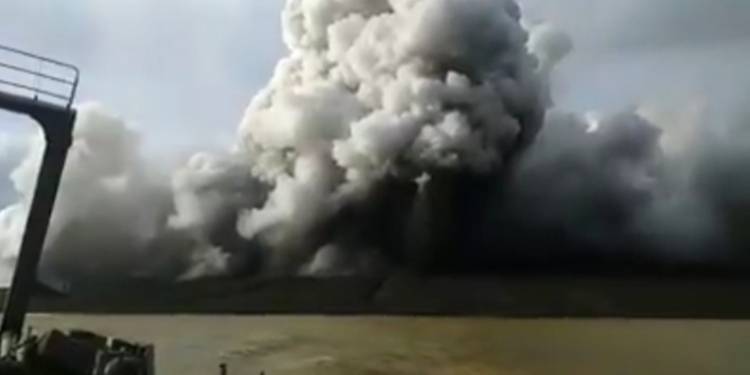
point(563, 296)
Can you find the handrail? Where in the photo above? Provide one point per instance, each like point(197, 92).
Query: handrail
point(33, 89)
point(68, 96)
point(32, 72)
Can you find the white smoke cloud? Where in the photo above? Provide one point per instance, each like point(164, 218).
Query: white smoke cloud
point(110, 204)
point(382, 89)
point(364, 141)
point(370, 91)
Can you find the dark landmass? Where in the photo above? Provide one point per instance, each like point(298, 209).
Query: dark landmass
point(636, 296)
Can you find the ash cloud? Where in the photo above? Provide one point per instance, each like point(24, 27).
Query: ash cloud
point(609, 186)
point(109, 204)
point(374, 95)
point(401, 133)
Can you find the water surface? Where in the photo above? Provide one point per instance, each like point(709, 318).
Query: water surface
point(281, 345)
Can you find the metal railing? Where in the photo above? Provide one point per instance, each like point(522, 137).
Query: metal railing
point(23, 79)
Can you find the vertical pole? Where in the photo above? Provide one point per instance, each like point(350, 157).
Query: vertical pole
point(58, 133)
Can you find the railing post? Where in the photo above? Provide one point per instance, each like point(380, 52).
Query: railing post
point(58, 131)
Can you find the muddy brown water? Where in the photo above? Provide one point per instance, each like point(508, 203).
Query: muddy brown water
point(281, 345)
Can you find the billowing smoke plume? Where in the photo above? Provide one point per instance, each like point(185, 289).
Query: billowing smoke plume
point(397, 133)
point(374, 96)
point(111, 208)
point(660, 186)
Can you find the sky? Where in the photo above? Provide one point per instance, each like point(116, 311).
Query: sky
point(181, 72)
point(631, 52)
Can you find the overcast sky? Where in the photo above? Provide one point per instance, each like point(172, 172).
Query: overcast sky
point(182, 71)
